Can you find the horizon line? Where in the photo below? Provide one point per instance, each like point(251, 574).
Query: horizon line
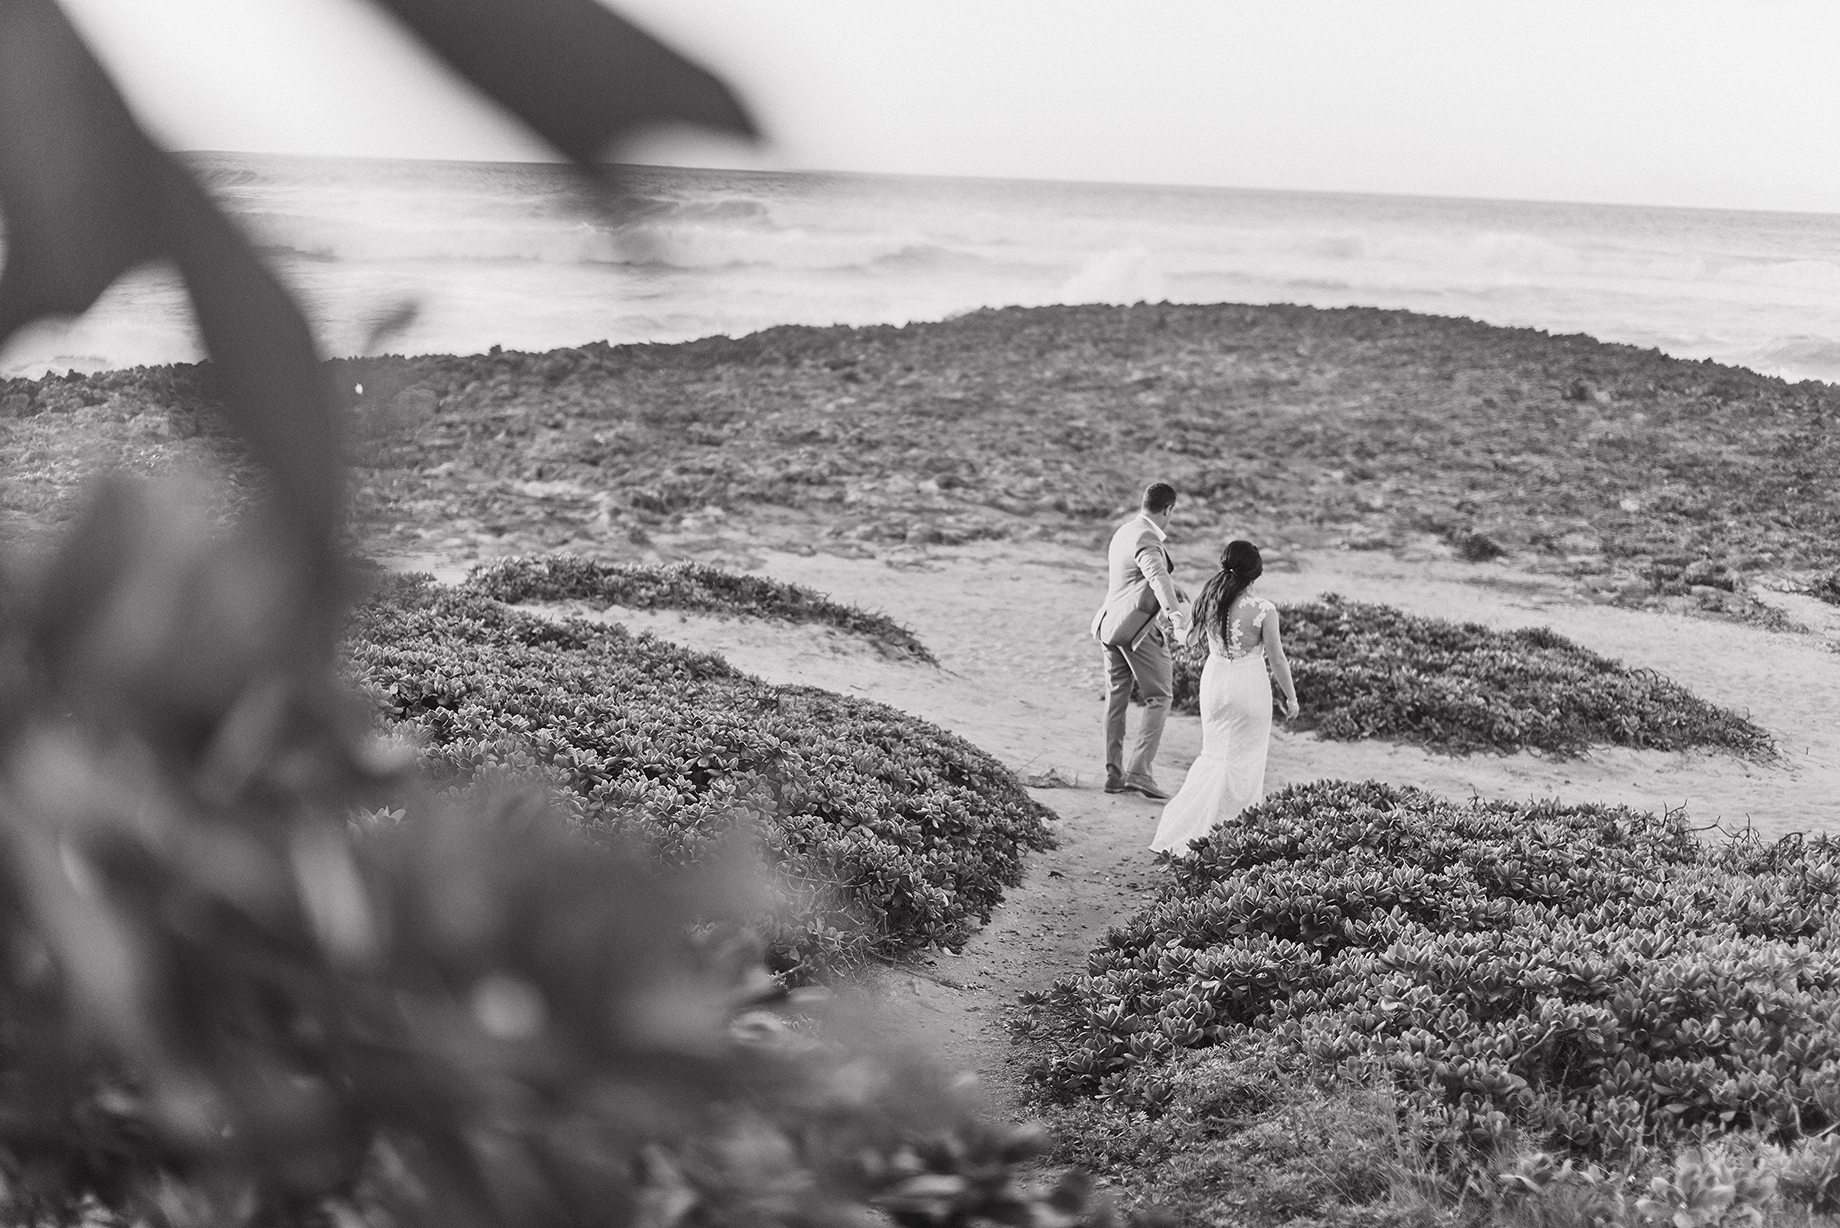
point(1032, 179)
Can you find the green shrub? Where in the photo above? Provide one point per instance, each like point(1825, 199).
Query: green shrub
point(1371, 671)
point(1475, 547)
point(886, 833)
point(1588, 979)
point(1826, 587)
point(1810, 1175)
point(684, 586)
point(1540, 1190)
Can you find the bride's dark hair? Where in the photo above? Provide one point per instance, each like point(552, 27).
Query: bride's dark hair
point(1240, 565)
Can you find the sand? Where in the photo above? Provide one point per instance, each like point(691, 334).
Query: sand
point(1019, 677)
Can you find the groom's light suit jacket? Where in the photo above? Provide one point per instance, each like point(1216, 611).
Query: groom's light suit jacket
point(1136, 554)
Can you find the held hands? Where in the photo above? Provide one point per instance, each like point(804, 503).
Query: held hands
point(1290, 707)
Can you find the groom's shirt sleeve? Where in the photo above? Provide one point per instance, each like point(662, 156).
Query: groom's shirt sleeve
point(1150, 561)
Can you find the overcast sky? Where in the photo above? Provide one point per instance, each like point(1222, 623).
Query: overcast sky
point(1722, 103)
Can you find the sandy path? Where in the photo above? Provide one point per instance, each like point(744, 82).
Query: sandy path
point(1019, 678)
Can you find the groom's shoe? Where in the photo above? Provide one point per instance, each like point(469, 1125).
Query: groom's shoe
point(1148, 787)
point(1114, 783)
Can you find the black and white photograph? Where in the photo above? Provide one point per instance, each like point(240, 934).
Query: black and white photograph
point(1001, 614)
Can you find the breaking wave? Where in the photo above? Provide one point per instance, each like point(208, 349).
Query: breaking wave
point(698, 235)
point(507, 254)
point(1799, 357)
point(1127, 276)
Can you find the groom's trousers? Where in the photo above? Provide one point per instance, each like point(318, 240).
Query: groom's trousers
point(1148, 666)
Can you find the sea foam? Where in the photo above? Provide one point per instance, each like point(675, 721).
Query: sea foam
point(510, 254)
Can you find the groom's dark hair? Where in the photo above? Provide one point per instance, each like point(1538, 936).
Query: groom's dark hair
point(1159, 497)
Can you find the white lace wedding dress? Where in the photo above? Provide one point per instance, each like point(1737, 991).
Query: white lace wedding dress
point(1235, 735)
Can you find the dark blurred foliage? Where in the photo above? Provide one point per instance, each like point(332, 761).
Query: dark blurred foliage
point(579, 75)
point(250, 970)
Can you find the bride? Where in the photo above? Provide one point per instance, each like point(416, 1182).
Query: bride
point(1242, 638)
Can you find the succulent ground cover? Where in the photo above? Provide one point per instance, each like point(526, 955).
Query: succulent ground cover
point(1588, 982)
point(1248, 1141)
point(884, 833)
point(1291, 425)
point(1371, 671)
point(685, 586)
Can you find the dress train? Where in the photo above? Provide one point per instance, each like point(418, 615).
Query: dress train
point(1229, 775)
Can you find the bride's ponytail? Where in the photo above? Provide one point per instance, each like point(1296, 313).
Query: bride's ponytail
point(1240, 565)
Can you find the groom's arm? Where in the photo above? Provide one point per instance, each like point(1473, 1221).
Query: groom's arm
point(1156, 571)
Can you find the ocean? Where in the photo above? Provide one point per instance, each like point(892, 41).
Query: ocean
point(506, 254)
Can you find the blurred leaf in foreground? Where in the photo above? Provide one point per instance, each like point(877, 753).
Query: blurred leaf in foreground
point(581, 76)
point(249, 971)
point(87, 197)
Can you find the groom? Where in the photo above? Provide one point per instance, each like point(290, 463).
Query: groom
point(1139, 588)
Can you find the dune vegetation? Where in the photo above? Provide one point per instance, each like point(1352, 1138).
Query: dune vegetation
point(685, 585)
point(883, 833)
point(1371, 671)
point(1481, 984)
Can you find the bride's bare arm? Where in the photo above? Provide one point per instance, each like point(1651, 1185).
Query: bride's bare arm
point(1280, 665)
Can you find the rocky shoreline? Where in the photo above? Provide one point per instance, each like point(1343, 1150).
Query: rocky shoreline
point(1646, 480)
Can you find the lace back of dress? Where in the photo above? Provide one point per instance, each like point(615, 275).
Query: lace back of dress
point(1235, 647)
